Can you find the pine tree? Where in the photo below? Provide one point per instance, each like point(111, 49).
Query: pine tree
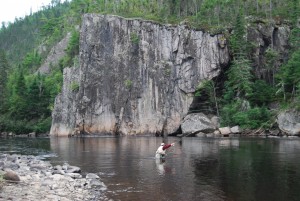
point(4, 66)
point(238, 44)
point(33, 99)
point(239, 74)
point(295, 33)
point(240, 78)
point(17, 95)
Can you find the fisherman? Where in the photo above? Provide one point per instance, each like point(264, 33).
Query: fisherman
point(161, 151)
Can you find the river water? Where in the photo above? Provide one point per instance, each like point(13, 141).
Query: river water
point(209, 169)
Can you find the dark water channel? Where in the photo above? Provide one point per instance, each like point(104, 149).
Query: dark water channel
point(196, 169)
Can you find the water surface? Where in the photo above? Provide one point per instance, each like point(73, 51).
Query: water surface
point(195, 169)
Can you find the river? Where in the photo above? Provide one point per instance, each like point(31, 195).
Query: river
point(209, 169)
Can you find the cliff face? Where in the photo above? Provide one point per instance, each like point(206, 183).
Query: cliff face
point(270, 47)
point(135, 77)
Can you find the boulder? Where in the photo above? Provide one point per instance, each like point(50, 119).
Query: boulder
point(289, 122)
point(74, 175)
point(197, 122)
point(33, 134)
point(217, 132)
point(235, 129)
point(225, 130)
point(92, 176)
point(73, 169)
point(11, 176)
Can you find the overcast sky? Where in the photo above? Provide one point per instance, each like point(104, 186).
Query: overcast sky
point(10, 9)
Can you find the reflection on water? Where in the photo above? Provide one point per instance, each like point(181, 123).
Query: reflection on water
point(29, 146)
point(163, 168)
point(196, 169)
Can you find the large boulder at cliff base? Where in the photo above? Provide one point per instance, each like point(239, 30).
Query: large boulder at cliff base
point(197, 122)
point(289, 122)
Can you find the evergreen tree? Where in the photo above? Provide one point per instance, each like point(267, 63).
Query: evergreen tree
point(240, 78)
point(17, 98)
point(290, 74)
point(4, 66)
point(238, 43)
point(295, 33)
point(33, 99)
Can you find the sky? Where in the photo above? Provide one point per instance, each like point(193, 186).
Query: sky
point(11, 9)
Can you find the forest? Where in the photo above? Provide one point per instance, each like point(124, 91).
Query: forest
point(27, 97)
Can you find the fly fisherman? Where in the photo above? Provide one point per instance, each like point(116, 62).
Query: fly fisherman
point(161, 151)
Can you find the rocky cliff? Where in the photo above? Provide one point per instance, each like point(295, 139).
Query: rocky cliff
point(269, 46)
point(135, 76)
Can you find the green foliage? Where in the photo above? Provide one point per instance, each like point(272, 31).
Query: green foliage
point(74, 86)
point(15, 126)
point(71, 51)
point(24, 35)
point(53, 84)
point(43, 125)
point(252, 118)
point(4, 66)
point(290, 75)
point(167, 71)
point(271, 57)
point(208, 88)
point(295, 32)
point(241, 91)
point(128, 83)
point(17, 91)
point(134, 38)
point(240, 78)
point(28, 100)
point(263, 93)
point(32, 61)
point(237, 41)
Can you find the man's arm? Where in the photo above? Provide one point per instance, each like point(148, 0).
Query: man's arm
point(168, 146)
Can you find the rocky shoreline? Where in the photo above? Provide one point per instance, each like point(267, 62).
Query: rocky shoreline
point(27, 177)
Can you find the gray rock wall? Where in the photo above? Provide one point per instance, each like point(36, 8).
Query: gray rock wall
point(64, 113)
point(55, 54)
point(135, 77)
point(263, 37)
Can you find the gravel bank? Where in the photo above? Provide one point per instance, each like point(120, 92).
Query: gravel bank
point(30, 178)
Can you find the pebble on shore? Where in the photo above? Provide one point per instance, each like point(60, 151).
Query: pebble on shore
point(24, 177)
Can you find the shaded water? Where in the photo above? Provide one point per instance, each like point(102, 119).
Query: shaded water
point(196, 169)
